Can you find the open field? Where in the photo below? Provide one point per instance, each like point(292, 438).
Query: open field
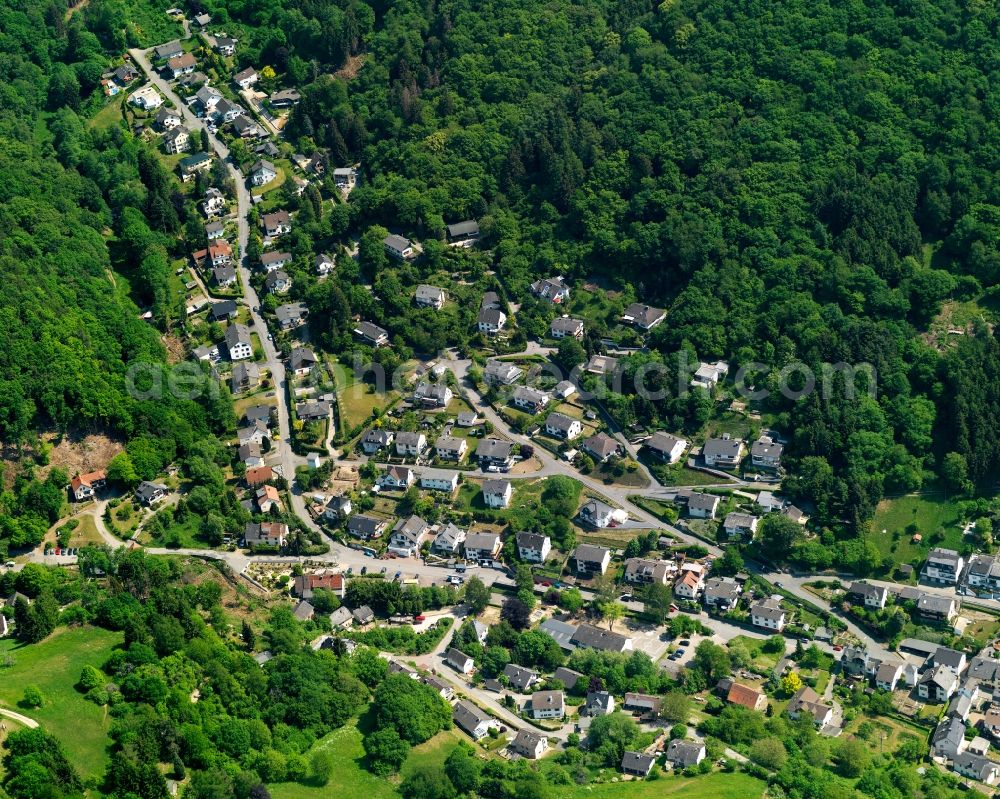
point(54, 665)
point(357, 403)
point(710, 786)
point(928, 514)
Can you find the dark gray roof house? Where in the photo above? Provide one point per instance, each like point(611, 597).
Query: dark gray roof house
point(519, 677)
point(637, 764)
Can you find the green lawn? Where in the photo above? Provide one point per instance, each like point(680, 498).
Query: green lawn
point(110, 115)
point(357, 403)
point(54, 665)
point(929, 514)
point(435, 751)
point(711, 786)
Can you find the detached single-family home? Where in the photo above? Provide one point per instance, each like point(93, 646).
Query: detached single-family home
point(601, 365)
point(272, 534)
point(723, 453)
point(765, 453)
point(246, 78)
point(559, 425)
point(943, 566)
point(167, 119)
point(520, 678)
point(448, 540)
point(668, 448)
point(547, 705)
point(598, 703)
point(285, 98)
point(146, 98)
point(984, 572)
point(278, 282)
point(530, 399)
point(689, 585)
point(976, 767)
point(85, 486)
point(637, 764)
point(598, 514)
point(740, 525)
point(497, 493)
point(685, 754)
point(471, 720)
point(374, 440)
point(721, 593)
point(590, 559)
point(372, 333)
point(466, 231)
point(430, 297)
point(398, 246)
point(225, 46)
point(873, 596)
point(410, 444)
point(276, 224)
point(338, 507)
point(238, 342)
point(937, 608)
point(554, 289)
point(768, 614)
point(601, 447)
point(495, 454)
point(937, 684)
point(433, 395)
point(708, 375)
point(643, 704)
point(482, 546)
point(366, 527)
point(274, 260)
point(807, 701)
point(301, 361)
point(460, 661)
point(181, 65)
point(645, 571)
point(324, 264)
point(491, 321)
point(530, 745)
point(291, 315)
point(500, 373)
point(565, 326)
point(208, 97)
point(745, 696)
point(451, 448)
point(397, 477)
point(169, 50)
point(645, 317)
point(948, 738)
point(888, 675)
point(533, 547)
point(408, 535)
point(224, 276)
point(702, 506)
point(262, 172)
point(439, 479)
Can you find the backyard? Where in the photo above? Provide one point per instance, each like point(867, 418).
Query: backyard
point(935, 519)
point(709, 786)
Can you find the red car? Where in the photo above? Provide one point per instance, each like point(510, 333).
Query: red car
point(837, 647)
point(421, 617)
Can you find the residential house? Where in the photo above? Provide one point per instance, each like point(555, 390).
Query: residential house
point(873, 596)
point(668, 448)
point(491, 321)
point(291, 315)
point(530, 399)
point(471, 720)
point(495, 454)
point(430, 297)
point(769, 503)
point(643, 704)
point(601, 447)
point(555, 289)
point(208, 97)
point(411, 444)
point(533, 547)
point(598, 514)
point(189, 166)
point(689, 585)
point(722, 593)
point(238, 342)
point(444, 690)
point(527, 744)
point(271, 534)
point(590, 637)
point(246, 78)
point(363, 615)
point(276, 224)
point(397, 477)
point(500, 373)
point(267, 497)
point(366, 527)
point(948, 738)
point(434, 395)
point(338, 507)
point(591, 559)
point(765, 453)
point(345, 177)
point(167, 119)
point(182, 64)
point(165, 52)
point(176, 140)
point(937, 684)
point(202, 20)
point(547, 705)
point(439, 479)
point(497, 493)
point(224, 276)
point(565, 326)
point(807, 701)
point(314, 411)
point(564, 389)
point(949, 659)
point(561, 632)
point(520, 678)
point(256, 432)
point(569, 678)
point(937, 608)
point(740, 525)
point(769, 614)
point(723, 453)
point(637, 764)
point(278, 282)
point(305, 585)
point(251, 455)
point(598, 703)
point(398, 246)
point(645, 317)
point(448, 540)
point(374, 440)
point(262, 173)
point(482, 546)
point(285, 98)
point(601, 365)
point(702, 506)
point(976, 767)
point(149, 493)
point(559, 425)
point(408, 535)
point(451, 448)
point(301, 361)
point(225, 46)
point(324, 264)
point(492, 300)
point(85, 486)
point(466, 231)
point(460, 661)
point(943, 566)
point(983, 572)
point(960, 706)
point(257, 476)
point(125, 74)
point(888, 675)
point(371, 333)
point(745, 696)
point(146, 98)
point(708, 375)
point(644, 571)
point(685, 754)
point(467, 419)
point(274, 260)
